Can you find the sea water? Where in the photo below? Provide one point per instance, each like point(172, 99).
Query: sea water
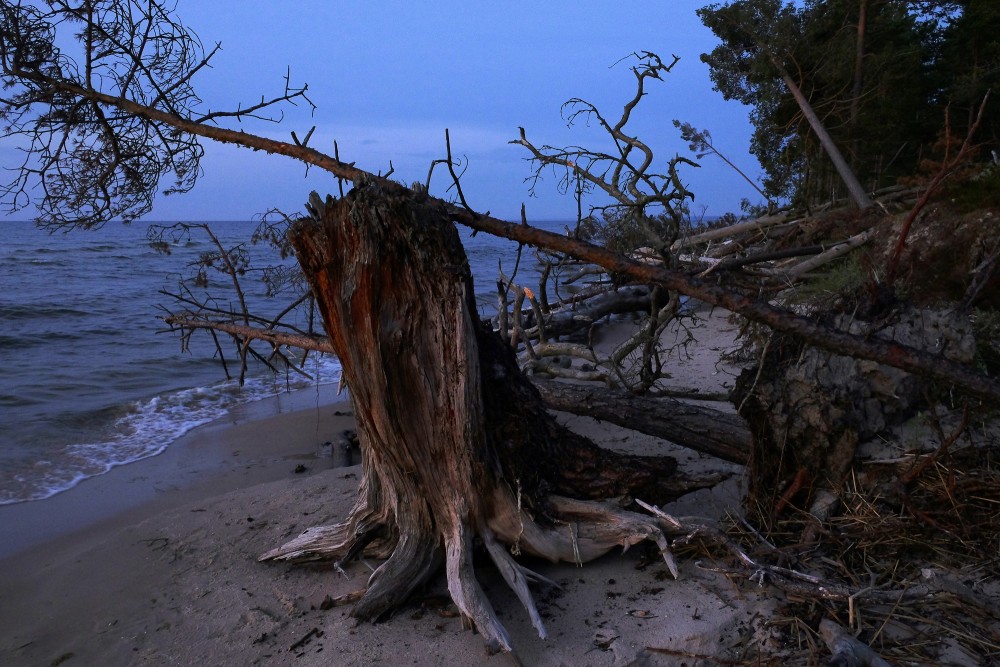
point(89, 376)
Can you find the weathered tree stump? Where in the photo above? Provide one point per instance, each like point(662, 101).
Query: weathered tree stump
point(456, 442)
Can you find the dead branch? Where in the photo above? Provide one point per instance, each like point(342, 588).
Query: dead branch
point(739, 262)
point(687, 530)
point(31, 83)
point(847, 651)
point(779, 319)
point(732, 230)
point(830, 254)
point(246, 333)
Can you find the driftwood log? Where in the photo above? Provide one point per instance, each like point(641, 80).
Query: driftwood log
point(719, 434)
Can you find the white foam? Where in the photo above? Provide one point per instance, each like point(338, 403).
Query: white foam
point(148, 427)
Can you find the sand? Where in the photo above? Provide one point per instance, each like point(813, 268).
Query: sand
point(155, 563)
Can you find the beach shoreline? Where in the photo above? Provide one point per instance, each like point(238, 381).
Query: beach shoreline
point(255, 442)
point(155, 562)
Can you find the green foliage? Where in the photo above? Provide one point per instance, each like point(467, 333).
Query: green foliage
point(700, 143)
point(880, 82)
point(969, 65)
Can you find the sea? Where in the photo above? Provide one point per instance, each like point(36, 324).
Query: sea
point(91, 379)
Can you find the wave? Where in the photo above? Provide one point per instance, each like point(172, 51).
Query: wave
point(17, 311)
point(142, 429)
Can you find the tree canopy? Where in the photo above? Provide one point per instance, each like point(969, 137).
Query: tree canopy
point(884, 76)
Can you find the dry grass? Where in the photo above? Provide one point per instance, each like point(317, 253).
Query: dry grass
point(912, 571)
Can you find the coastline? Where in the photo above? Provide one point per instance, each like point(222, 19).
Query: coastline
point(257, 442)
point(156, 562)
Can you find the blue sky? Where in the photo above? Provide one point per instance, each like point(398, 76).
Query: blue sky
point(389, 77)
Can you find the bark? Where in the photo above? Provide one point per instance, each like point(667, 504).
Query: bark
point(456, 443)
point(712, 432)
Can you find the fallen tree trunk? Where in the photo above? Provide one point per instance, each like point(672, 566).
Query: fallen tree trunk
point(456, 442)
point(816, 333)
point(572, 318)
point(712, 432)
point(776, 318)
point(719, 434)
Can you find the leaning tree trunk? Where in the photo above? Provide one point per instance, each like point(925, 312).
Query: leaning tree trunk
point(456, 443)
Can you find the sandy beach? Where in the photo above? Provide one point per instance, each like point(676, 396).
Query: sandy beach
point(155, 563)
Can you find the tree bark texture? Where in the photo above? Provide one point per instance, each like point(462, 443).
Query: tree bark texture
point(455, 441)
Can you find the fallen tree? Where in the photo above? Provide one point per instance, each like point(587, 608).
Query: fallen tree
point(457, 443)
point(704, 430)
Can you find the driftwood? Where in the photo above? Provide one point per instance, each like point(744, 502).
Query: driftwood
point(835, 251)
point(719, 434)
point(732, 230)
point(779, 319)
point(581, 316)
point(846, 650)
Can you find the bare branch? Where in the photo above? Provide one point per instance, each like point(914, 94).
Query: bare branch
point(312, 343)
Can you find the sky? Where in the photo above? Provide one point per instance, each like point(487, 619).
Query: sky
point(388, 77)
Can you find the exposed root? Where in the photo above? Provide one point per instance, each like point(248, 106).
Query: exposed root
point(516, 577)
point(468, 595)
point(415, 560)
point(604, 526)
point(369, 528)
point(580, 531)
point(316, 543)
point(584, 530)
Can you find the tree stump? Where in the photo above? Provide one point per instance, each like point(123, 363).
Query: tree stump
point(456, 443)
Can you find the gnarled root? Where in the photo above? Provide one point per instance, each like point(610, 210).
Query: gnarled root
point(369, 528)
point(468, 595)
point(581, 531)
